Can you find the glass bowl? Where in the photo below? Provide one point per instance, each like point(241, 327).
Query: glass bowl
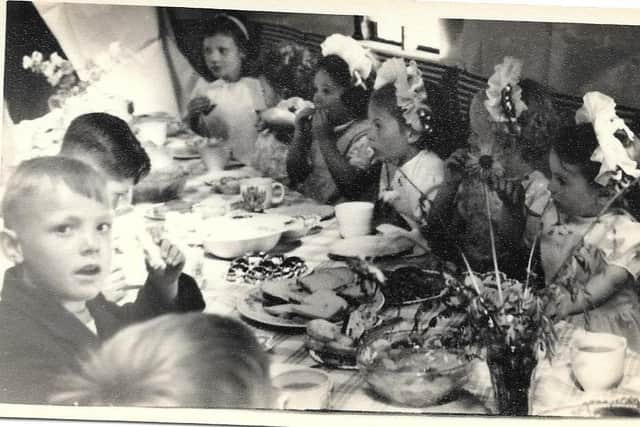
point(408, 374)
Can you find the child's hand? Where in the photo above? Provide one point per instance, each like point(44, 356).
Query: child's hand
point(303, 120)
point(320, 128)
point(117, 279)
point(199, 105)
point(455, 165)
point(166, 278)
point(559, 304)
point(510, 192)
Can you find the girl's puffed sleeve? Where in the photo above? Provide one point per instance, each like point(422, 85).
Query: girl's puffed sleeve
point(618, 238)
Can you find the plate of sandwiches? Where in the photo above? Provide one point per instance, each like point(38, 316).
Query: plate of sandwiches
point(328, 294)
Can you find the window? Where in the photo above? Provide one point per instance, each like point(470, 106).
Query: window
point(423, 35)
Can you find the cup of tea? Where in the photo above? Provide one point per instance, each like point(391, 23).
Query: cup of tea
point(215, 154)
point(152, 131)
point(597, 360)
point(258, 194)
point(354, 218)
point(304, 388)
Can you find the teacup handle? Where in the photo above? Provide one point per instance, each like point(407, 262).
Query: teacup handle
point(280, 198)
point(282, 401)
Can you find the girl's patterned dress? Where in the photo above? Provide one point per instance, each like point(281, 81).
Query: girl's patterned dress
point(615, 240)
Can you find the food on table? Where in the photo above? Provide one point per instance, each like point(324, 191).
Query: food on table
point(228, 185)
point(377, 246)
point(332, 279)
point(411, 284)
point(160, 211)
point(323, 304)
point(304, 209)
point(284, 114)
point(262, 266)
point(336, 345)
point(409, 373)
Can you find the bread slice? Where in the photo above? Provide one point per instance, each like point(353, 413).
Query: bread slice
point(282, 291)
point(327, 279)
point(320, 305)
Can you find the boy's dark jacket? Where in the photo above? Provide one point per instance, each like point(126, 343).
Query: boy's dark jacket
point(39, 338)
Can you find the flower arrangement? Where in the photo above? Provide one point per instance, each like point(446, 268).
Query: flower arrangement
point(67, 80)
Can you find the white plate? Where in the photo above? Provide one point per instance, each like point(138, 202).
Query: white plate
point(304, 209)
point(250, 306)
point(375, 246)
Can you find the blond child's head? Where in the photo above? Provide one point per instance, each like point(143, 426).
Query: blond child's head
point(176, 360)
point(57, 227)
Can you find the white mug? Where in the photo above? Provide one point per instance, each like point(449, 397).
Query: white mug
point(354, 218)
point(304, 388)
point(597, 360)
point(258, 193)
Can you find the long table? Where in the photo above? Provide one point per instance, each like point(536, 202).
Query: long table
point(552, 384)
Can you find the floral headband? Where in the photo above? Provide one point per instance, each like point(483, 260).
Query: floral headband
point(411, 95)
point(360, 61)
point(504, 95)
point(617, 168)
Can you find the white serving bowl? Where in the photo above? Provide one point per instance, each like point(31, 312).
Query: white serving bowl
point(227, 237)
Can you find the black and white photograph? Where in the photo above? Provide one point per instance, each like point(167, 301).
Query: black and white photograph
point(227, 212)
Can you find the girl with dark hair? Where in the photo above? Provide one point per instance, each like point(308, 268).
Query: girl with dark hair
point(401, 135)
point(513, 123)
point(226, 108)
point(330, 157)
point(589, 254)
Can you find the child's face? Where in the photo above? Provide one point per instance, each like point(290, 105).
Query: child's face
point(65, 243)
point(388, 138)
point(328, 96)
point(570, 190)
point(223, 57)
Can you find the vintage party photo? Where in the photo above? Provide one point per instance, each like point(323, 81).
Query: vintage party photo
point(314, 213)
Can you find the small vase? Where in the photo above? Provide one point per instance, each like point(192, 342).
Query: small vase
point(511, 369)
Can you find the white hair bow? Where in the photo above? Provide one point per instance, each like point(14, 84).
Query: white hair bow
point(504, 91)
point(600, 110)
point(360, 60)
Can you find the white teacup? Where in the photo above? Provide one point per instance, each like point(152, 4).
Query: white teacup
point(354, 218)
point(304, 388)
point(597, 360)
point(258, 193)
point(152, 131)
point(215, 156)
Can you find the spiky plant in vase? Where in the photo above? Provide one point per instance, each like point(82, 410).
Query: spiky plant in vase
point(493, 317)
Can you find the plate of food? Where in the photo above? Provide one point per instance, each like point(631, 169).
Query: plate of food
point(262, 266)
point(294, 302)
point(229, 185)
point(159, 211)
point(304, 209)
point(411, 285)
point(372, 246)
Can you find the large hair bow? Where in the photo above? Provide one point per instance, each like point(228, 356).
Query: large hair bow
point(600, 110)
point(360, 60)
point(411, 95)
point(504, 96)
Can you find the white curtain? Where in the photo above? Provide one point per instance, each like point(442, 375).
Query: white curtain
point(571, 58)
point(85, 30)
